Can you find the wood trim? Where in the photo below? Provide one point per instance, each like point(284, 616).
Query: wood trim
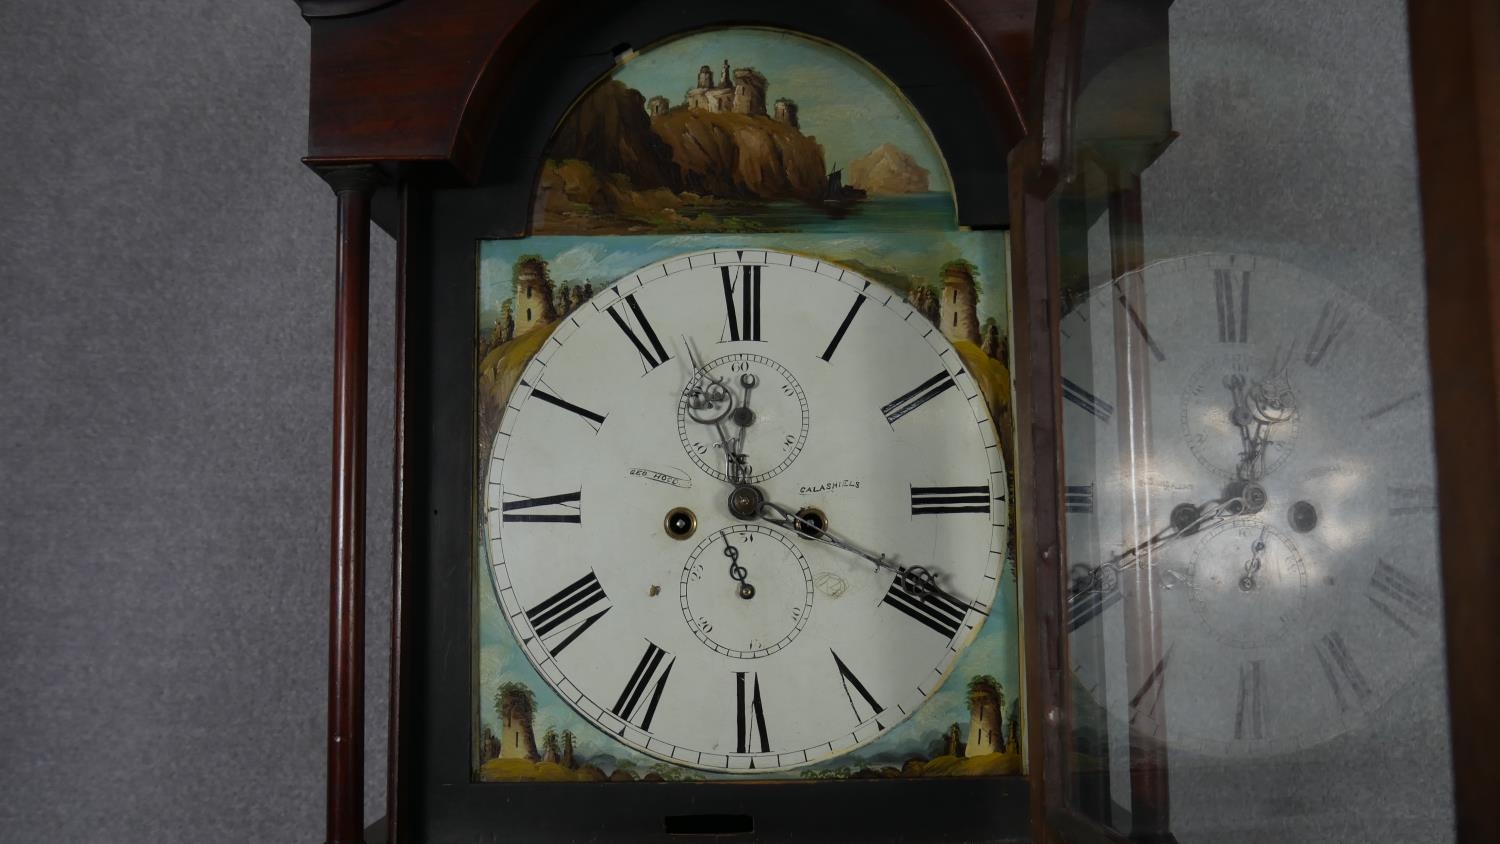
point(423, 83)
point(396, 798)
point(338, 8)
point(1456, 89)
point(1034, 303)
point(346, 622)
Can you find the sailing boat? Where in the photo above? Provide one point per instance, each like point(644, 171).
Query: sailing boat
point(837, 193)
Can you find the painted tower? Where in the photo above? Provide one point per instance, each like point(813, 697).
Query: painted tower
point(705, 77)
point(657, 106)
point(515, 704)
point(749, 91)
point(986, 700)
point(958, 310)
point(786, 112)
point(533, 295)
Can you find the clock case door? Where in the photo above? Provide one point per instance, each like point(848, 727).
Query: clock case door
point(439, 210)
point(1057, 193)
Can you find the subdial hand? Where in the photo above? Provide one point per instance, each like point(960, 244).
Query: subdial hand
point(737, 572)
point(1252, 565)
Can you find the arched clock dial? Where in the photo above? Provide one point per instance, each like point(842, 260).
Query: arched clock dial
point(745, 509)
point(1281, 495)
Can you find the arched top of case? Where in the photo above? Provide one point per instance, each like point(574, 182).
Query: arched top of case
point(466, 92)
point(928, 50)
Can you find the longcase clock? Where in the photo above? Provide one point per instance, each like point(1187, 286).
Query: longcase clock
point(863, 422)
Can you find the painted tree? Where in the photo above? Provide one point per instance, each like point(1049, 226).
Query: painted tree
point(950, 740)
point(507, 321)
point(489, 745)
point(550, 750)
point(567, 749)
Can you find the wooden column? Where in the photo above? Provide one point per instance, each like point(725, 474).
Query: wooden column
point(1456, 89)
point(346, 623)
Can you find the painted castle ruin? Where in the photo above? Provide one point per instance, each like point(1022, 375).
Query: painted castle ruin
point(739, 91)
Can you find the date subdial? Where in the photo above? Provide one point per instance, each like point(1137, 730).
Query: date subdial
point(1239, 416)
point(1248, 583)
point(715, 604)
point(751, 403)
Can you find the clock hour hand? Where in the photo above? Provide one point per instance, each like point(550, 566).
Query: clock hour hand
point(703, 406)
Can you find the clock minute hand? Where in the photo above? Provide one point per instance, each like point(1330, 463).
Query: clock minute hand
point(917, 579)
point(1103, 577)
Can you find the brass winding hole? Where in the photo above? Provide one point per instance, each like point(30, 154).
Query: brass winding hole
point(680, 523)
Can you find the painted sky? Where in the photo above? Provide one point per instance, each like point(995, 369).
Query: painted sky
point(842, 101)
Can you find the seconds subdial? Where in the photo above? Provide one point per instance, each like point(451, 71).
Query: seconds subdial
point(736, 622)
point(759, 410)
point(1248, 584)
point(1239, 416)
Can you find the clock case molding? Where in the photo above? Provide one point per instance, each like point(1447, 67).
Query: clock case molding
point(430, 117)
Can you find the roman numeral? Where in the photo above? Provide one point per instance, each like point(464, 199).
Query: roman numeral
point(650, 360)
point(1411, 500)
point(1330, 323)
point(1338, 664)
point(560, 619)
point(1140, 325)
point(934, 609)
point(593, 419)
point(1400, 598)
point(1153, 686)
point(938, 500)
point(1234, 306)
point(838, 336)
point(634, 702)
point(559, 508)
point(745, 323)
point(1090, 403)
point(853, 686)
point(927, 391)
point(750, 716)
point(1079, 499)
point(1387, 408)
point(1090, 603)
point(1249, 718)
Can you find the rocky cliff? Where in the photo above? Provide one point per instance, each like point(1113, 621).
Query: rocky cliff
point(721, 155)
point(742, 156)
point(609, 129)
point(887, 170)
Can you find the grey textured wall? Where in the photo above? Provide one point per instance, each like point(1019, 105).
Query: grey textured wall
point(166, 302)
point(165, 347)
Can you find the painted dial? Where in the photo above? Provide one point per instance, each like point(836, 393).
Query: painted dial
point(1288, 427)
point(863, 411)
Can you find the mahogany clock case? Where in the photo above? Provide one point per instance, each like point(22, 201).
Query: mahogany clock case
point(434, 797)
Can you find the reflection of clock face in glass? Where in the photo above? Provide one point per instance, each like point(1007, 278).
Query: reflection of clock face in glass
point(721, 637)
point(1283, 501)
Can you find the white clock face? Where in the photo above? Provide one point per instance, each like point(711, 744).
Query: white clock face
point(1289, 431)
point(745, 643)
